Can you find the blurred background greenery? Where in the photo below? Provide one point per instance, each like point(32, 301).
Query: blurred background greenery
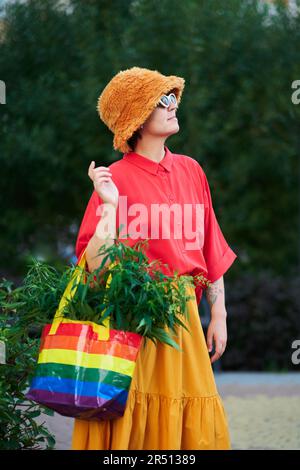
point(239, 59)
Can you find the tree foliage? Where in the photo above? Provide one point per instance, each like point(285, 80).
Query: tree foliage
point(239, 59)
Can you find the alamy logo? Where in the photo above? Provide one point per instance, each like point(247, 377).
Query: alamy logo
point(2, 92)
point(296, 95)
point(296, 354)
point(178, 221)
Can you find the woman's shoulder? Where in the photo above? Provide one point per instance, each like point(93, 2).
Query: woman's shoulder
point(189, 161)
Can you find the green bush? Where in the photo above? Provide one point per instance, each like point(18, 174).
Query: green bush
point(263, 320)
point(18, 427)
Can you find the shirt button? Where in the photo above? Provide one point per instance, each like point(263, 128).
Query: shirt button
point(171, 197)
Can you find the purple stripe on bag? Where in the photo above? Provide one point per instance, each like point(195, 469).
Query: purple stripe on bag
point(78, 388)
point(69, 405)
point(90, 414)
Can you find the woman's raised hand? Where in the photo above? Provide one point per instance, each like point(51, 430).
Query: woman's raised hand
point(103, 184)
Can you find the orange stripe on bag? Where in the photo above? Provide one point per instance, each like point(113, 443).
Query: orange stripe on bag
point(94, 347)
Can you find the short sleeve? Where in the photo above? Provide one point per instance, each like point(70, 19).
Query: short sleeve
point(89, 223)
point(217, 253)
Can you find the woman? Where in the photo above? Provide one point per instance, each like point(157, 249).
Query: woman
point(173, 402)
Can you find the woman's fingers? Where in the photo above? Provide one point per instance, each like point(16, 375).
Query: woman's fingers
point(90, 170)
point(216, 356)
point(209, 340)
point(101, 179)
point(101, 171)
point(219, 350)
point(99, 168)
point(99, 176)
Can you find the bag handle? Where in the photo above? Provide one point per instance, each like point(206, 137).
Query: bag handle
point(102, 330)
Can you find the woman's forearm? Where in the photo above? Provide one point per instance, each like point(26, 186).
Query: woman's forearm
point(215, 295)
point(105, 234)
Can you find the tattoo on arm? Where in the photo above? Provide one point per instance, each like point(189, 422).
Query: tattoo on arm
point(214, 291)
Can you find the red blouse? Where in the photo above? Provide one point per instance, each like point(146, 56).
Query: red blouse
point(170, 203)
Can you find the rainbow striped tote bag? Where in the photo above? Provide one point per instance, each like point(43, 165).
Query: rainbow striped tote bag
point(84, 370)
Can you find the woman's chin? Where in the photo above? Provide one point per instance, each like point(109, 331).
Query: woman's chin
point(173, 124)
point(174, 129)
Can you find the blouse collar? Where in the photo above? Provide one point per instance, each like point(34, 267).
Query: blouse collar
point(149, 165)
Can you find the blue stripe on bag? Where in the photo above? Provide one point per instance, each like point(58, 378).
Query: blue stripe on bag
point(75, 387)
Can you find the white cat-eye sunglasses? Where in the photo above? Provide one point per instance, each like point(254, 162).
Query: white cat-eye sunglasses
point(166, 100)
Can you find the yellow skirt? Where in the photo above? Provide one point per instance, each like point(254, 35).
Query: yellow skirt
point(173, 402)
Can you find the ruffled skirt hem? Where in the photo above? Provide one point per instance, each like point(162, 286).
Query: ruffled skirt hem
point(157, 422)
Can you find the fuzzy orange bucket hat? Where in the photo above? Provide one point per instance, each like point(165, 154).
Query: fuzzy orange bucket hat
point(129, 99)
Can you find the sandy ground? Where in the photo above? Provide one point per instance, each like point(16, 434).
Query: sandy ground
point(263, 411)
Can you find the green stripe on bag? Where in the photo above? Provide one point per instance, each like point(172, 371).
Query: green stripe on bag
point(66, 371)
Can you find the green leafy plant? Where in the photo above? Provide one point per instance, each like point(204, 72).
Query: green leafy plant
point(139, 297)
point(18, 426)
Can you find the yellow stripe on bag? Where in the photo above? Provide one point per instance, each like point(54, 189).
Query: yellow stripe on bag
point(83, 359)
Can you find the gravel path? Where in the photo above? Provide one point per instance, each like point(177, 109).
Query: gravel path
point(263, 411)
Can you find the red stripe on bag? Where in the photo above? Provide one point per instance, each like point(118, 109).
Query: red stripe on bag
point(78, 329)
